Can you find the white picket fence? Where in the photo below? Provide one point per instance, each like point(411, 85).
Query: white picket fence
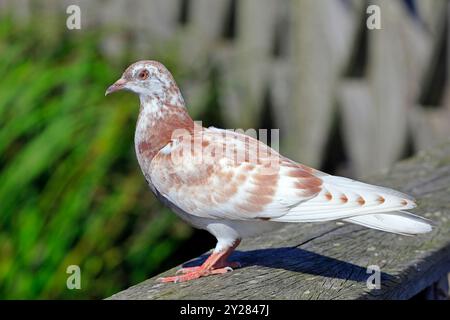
point(312, 58)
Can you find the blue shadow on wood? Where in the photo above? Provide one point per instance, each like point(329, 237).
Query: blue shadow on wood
point(299, 260)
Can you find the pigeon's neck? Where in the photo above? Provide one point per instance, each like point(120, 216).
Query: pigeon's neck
point(158, 118)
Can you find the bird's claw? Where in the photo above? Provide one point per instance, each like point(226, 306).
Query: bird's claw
point(191, 273)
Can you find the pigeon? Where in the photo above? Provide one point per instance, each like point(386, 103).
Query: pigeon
point(235, 186)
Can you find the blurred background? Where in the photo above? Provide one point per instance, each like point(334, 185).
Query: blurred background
point(347, 100)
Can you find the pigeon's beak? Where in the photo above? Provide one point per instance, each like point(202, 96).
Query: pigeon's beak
point(118, 85)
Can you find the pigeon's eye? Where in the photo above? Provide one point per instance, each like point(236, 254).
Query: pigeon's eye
point(143, 74)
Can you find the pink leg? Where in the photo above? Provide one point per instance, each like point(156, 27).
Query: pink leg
point(215, 264)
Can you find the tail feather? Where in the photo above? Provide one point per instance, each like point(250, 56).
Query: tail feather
point(360, 203)
point(400, 222)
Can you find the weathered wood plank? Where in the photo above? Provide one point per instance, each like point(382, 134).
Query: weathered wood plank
point(155, 23)
point(316, 67)
point(246, 74)
point(329, 261)
point(430, 120)
point(200, 39)
point(379, 105)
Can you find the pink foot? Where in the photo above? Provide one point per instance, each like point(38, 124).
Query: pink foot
point(215, 264)
point(191, 273)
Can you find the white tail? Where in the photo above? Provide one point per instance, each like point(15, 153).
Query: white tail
point(360, 203)
point(397, 222)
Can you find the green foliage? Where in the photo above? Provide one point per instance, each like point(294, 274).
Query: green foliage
point(71, 191)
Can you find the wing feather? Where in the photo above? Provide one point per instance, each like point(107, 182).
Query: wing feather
point(234, 176)
point(343, 198)
point(238, 177)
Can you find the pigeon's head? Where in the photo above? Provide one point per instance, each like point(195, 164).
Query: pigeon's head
point(146, 78)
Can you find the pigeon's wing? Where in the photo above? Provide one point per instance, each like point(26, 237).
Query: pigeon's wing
point(226, 175)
